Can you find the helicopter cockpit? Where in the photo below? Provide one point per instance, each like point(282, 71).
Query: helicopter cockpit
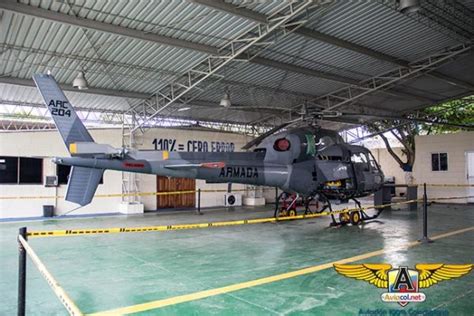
point(298, 145)
point(366, 170)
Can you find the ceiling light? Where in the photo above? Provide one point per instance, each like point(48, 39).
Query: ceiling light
point(186, 108)
point(80, 81)
point(304, 110)
point(409, 6)
point(225, 101)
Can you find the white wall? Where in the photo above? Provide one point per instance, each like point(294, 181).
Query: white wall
point(49, 144)
point(389, 166)
point(455, 145)
point(185, 137)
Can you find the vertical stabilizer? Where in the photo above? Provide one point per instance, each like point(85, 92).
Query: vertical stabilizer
point(68, 123)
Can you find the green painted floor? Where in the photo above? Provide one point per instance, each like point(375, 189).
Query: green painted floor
point(112, 271)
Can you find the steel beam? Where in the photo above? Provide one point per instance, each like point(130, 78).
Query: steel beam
point(315, 35)
point(306, 32)
point(11, 5)
point(128, 94)
point(305, 71)
point(116, 117)
point(245, 47)
point(25, 9)
point(348, 95)
point(99, 91)
point(63, 58)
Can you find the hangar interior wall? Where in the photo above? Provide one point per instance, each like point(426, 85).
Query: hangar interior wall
point(455, 145)
point(48, 144)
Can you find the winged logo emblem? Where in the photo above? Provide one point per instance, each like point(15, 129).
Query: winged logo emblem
point(403, 283)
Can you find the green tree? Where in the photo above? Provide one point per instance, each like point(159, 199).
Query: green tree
point(447, 117)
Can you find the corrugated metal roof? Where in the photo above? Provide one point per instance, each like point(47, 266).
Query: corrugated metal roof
point(381, 28)
point(29, 45)
point(27, 95)
point(321, 56)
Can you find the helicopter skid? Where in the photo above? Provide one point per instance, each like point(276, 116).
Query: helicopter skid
point(288, 205)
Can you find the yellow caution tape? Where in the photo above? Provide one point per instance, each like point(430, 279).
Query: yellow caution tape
point(115, 230)
point(180, 192)
point(448, 185)
point(76, 232)
point(117, 194)
point(71, 307)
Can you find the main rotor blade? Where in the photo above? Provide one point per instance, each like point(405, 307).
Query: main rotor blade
point(416, 120)
point(259, 139)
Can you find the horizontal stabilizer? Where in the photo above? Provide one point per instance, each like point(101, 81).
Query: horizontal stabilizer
point(82, 184)
point(92, 148)
point(197, 165)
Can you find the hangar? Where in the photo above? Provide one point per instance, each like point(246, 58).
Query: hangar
point(211, 115)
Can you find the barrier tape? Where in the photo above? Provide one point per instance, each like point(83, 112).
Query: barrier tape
point(68, 303)
point(116, 230)
point(447, 185)
point(181, 192)
point(451, 198)
point(121, 194)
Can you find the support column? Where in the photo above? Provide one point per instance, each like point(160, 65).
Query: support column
point(22, 273)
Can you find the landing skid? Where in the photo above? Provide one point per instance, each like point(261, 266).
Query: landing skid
point(287, 205)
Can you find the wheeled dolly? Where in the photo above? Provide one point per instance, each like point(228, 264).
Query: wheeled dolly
point(286, 205)
point(355, 217)
point(290, 205)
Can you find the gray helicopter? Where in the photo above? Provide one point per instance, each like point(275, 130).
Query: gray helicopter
point(307, 163)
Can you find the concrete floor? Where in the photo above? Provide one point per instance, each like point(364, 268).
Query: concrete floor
point(103, 272)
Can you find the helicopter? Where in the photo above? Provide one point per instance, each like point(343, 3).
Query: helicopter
point(308, 163)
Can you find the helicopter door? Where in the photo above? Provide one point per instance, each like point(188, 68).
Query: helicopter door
point(377, 175)
point(362, 171)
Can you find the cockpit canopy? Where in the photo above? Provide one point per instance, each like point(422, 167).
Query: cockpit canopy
point(298, 144)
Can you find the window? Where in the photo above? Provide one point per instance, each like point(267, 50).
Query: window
point(62, 171)
point(9, 170)
point(373, 163)
point(361, 160)
point(31, 170)
point(19, 170)
point(439, 162)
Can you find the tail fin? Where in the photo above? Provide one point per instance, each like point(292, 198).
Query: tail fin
point(68, 123)
point(83, 181)
point(82, 184)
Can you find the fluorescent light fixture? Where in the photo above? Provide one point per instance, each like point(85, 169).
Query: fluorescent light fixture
point(186, 108)
point(80, 81)
point(409, 6)
point(225, 101)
